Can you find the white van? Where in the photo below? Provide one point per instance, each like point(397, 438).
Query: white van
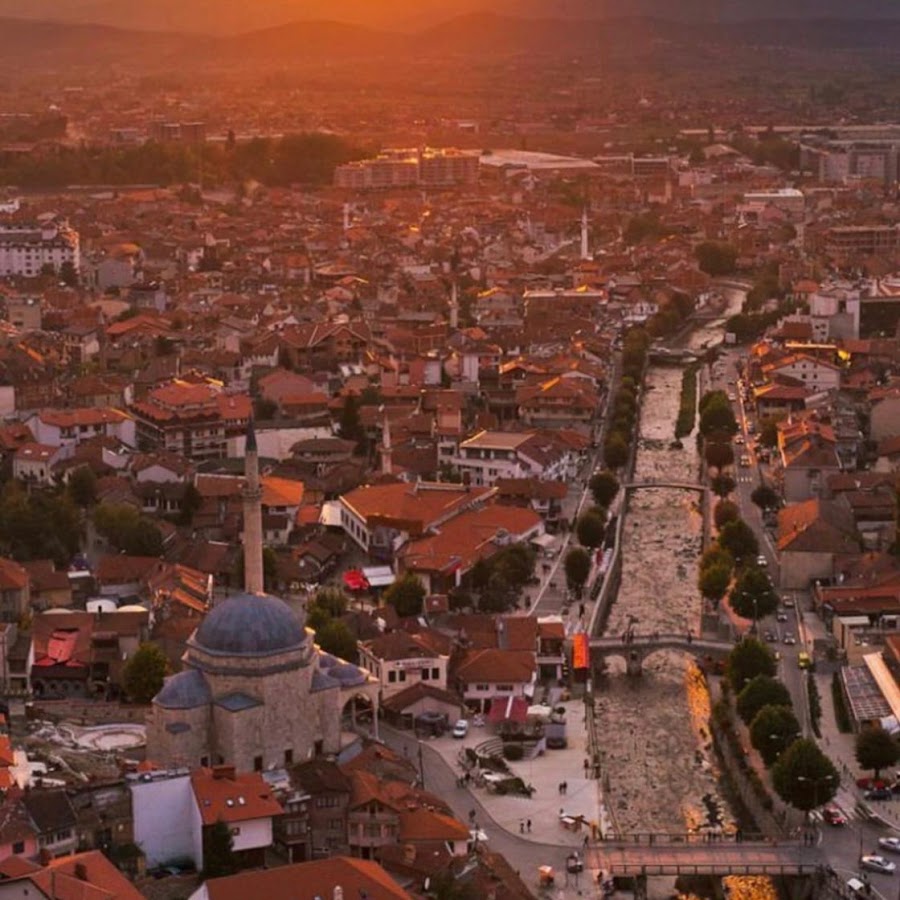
point(856, 887)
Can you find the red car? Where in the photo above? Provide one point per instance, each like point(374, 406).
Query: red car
point(868, 784)
point(833, 816)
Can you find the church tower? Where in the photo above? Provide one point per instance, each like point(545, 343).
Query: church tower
point(253, 537)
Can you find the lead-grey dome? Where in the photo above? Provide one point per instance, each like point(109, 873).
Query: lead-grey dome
point(250, 625)
point(186, 690)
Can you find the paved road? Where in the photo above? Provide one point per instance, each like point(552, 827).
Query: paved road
point(522, 854)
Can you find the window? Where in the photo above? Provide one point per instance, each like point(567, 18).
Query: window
point(482, 687)
point(505, 687)
point(288, 757)
point(257, 764)
point(435, 674)
point(19, 847)
point(392, 676)
point(426, 674)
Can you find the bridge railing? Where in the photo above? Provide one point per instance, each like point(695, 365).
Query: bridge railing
point(652, 638)
point(716, 869)
point(663, 838)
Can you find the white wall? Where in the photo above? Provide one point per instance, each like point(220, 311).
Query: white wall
point(164, 815)
point(254, 833)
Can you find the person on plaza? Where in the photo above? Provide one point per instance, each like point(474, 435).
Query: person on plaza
point(528, 825)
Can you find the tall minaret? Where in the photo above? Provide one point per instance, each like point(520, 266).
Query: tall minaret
point(454, 303)
point(253, 536)
point(346, 217)
point(386, 462)
point(585, 251)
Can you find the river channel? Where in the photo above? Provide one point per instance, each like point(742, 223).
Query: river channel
point(661, 768)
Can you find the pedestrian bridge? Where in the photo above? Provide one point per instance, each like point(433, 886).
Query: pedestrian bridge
point(634, 648)
point(712, 857)
point(679, 485)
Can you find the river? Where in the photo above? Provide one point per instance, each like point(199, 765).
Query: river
point(660, 765)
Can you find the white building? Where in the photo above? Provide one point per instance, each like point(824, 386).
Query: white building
point(70, 427)
point(171, 809)
point(400, 660)
point(490, 455)
point(26, 249)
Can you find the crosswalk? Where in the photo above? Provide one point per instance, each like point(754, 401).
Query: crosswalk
point(850, 811)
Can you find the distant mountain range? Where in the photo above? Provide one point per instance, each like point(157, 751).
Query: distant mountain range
point(236, 16)
point(35, 44)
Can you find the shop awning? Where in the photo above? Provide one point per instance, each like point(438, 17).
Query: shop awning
point(354, 580)
point(379, 576)
point(508, 709)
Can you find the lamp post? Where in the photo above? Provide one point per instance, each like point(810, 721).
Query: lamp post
point(825, 779)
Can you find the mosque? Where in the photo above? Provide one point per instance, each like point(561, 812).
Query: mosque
point(255, 691)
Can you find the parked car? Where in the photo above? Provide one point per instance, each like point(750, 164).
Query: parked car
point(889, 843)
point(833, 816)
point(781, 616)
point(878, 864)
point(867, 782)
point(788, 602)
point(461, 728)
point(879, 793)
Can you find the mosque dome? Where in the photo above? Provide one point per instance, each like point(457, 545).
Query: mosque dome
point(250, 625)
point(186, 690)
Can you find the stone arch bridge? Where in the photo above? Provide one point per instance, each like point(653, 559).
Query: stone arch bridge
point(634, 648)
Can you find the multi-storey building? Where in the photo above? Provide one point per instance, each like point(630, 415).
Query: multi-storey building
point(428, 167)
point(26, 249)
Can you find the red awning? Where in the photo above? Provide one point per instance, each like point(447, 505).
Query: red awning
point(354, 580)
point(508, 709)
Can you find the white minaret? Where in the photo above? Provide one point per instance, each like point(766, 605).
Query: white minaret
point(386, 462)
point(454, 303)
point(585, 251)
point(346, 217)
point(253, 536)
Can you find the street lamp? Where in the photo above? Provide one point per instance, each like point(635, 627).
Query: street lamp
point(825, 779)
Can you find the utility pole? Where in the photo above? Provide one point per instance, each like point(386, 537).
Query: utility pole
point(421, 767)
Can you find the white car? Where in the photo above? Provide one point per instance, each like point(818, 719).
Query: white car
point(461, 728)
point(890, 843)
point(761, 561)
point(878, 864)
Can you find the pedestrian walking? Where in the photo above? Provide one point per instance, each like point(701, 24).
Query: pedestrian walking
point(521, 826)
point(586, 764)
point(587, 840)
point(528, 825)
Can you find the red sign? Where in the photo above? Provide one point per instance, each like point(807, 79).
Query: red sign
point(581, 653)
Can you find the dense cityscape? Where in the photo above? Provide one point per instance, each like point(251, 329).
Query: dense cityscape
point(449, 452)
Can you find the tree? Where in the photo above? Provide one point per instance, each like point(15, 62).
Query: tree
point(191, 501)
point(615, 450)
point(753, 596)
point(763, 690)
point(143, 674)
point(748, 659)
point(144, 539)
point(726, 511)
point(604, 487)
point(68, 274)
point(406, 595)
point(127, 530)
point(764, 497)
point(773, 730)
point(218, 846)
point(716, 257)
point(768, 433)
point(804, 776)
point(739, 540)
point(335, 637)
point(722, 485)
point(350, 427)
point(717, 418)
point(333, 600)
point(876, 749)
point(590, 528)
point(716, 555)
point(578, 567)
point(83, 486)
point(718, 454)
point(713, 581)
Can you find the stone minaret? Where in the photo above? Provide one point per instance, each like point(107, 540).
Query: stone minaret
point(585, 248)
point(386, 462)
point(454, 304)
point(253, 536)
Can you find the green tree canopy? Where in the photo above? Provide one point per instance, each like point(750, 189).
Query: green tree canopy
point(764, 497)
point(615, 449)
point(773, 730)
point(38, 524)
point(578, 567)
point(716, 555)
point(748, 659)
point(768, 433)
point(590, 528)
point(718, 454)
point(713, 581)
point(723, 485)
point(718, 418)
point(406, 595)
point(83, 486)
point(218, 855)
point(350, 426)
point(604, 486)
point(143, 673)
point(753, 596)
point(128, 530)
point(726, 511)
point(716, 257)
point(335, 637)
point(804, 777)
point(739, 540)
point(876, 749)
point(713, 398)
point(763, 690)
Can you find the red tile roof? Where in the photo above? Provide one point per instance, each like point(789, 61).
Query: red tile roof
point(232, 797)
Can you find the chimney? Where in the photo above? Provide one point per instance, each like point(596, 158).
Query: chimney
point(223, 773)
point(81, 871)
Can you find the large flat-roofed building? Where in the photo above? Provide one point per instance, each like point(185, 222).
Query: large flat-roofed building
point(787, 200)
point(27, 249)
point(867, 239)
point(428, 167)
